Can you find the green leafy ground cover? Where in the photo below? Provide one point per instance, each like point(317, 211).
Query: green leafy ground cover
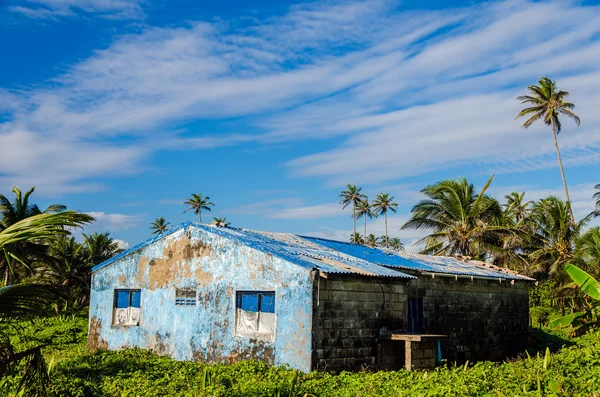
point(570, 370)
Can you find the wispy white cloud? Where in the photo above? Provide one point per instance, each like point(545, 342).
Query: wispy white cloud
point(122, 244)
point(113, 9)
point(288, 208)
point(112, 222)
point(423, 90)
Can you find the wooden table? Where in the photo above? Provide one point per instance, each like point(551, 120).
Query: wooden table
point(408, 338)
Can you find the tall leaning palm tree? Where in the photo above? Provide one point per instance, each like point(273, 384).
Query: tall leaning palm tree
point(352, 196)
point(197, 203)
point(461, 221)
point(381, 205)
point(364, 210)
point(547, 103)
point(160, 225)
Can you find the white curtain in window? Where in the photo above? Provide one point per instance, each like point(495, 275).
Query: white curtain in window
point(134, 316)
point(266, 323)
point(247, 322)
point(127, 316)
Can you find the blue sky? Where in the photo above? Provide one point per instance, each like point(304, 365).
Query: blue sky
point(123, 108)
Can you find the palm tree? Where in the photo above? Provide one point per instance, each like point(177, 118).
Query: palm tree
point(71, 263)
point(516, 207)
point(364, 210)
point(461, 220)
point(371, 241)
point(357, 239)
point(197, 203)
point(384, 241)
point(548, 102)
point(396, 244)
point(12, 212)
point(552, 244)
point(159, 226)
point(100, 247)
point(382, 204)
point(21, 208)
point(587, 251)
point(220, 222)
point(17, 301)
point(352, 196)
point(597, 198)
point(70, 270)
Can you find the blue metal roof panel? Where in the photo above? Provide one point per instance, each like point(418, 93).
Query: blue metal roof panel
point(285, 246)
point(424, 263)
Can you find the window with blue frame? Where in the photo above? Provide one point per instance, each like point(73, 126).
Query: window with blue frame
point(127, 304)
point(185, 297)
point(255, 313)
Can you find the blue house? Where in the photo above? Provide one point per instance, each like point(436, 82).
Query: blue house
point(219, 294)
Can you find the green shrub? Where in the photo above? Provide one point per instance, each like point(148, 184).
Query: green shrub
point(574, 370)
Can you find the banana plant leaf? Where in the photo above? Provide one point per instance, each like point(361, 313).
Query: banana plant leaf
point(586, 282)
point(565, 321)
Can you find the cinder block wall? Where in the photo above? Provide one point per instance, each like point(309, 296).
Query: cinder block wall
point(348, 313)
point(484, 319)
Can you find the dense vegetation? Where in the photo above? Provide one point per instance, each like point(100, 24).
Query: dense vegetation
point(573, 370)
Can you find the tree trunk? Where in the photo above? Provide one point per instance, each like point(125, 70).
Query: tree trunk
point(354, 217)
point(562, 172)
point(365, 233)
point(200, 216)
point(387, 240)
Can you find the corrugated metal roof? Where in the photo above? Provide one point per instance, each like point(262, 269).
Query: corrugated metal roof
point(286, 246)
point(423, 263)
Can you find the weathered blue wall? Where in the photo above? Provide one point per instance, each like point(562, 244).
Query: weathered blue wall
point(217, 267)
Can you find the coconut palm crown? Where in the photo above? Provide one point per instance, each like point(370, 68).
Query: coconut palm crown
point(516, 207)
point(461, 221)
point(197, 203)
point(160, 225)
point(396, 244)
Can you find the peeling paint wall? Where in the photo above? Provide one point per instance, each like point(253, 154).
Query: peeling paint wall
point(217, 267)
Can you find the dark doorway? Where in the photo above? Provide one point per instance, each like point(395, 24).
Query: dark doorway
point(415, 315)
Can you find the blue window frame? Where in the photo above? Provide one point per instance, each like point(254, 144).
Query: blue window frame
point(125, 298)
point(127, 303)
point(256, 301)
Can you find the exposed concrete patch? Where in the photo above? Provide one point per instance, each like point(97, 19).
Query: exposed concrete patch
point(95, 341)
point(174, 264)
